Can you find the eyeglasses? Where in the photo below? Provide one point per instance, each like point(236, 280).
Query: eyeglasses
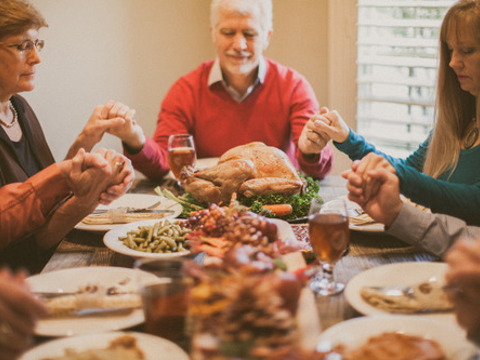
point(27, 45)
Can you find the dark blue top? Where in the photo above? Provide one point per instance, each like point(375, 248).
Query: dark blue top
point(456, 193)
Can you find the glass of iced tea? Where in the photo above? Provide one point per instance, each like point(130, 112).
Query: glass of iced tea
point(165, 298)
point(181, 152)
point(329, 237)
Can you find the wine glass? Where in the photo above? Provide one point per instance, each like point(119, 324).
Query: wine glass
point(181, 152)
point(329, 237)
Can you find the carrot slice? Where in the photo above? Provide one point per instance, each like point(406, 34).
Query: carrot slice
point(279, 209)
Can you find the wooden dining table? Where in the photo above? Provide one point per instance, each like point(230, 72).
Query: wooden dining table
point(366, 250)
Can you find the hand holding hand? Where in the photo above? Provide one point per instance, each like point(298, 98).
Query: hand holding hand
point(19, 311)
point(311, 140)
point(331, 124)
point(88, 174)
point(99, 122)
point(369, 162)
point(463, 278)
point(128, 131)
point(102, 176)
point(383, 203)
point(122, 179)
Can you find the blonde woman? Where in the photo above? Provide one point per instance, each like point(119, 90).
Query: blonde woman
point(443, 173)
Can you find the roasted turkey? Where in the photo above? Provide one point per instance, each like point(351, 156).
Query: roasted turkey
point(251, 169)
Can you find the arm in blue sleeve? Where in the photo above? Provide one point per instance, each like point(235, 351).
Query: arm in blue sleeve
point(356, 147)
point(459, 200)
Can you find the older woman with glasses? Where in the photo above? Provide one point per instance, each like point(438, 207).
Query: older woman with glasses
point(23, 148)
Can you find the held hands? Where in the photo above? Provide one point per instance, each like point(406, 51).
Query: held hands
point(128, 131)
point(372, 184)
point(312, 140)
point(369, 162)
point(463, 279)
point(122, 177)
point(100, 176)
point(320, 128)
point(114, 118)
point(19, 311)
point(101, 121)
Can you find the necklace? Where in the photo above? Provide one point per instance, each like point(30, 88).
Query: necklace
point(472, 136)
point(15, 116)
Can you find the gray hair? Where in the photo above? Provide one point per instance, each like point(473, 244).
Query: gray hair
point(243, 6)
point(18, 16)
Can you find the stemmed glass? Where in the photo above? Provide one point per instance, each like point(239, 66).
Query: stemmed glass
point(181, 152)
point(329, 236)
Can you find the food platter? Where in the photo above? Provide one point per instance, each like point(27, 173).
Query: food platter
point(397, 274)
point(355, 332)
point(136, 201)
point(151, 346)
point(69, 280)
point(111, 240)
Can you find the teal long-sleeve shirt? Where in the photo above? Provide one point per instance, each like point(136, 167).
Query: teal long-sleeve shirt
point(456, 195)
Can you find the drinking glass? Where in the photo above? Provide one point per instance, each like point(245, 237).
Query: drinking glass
point(329, 237)
point(165, 298)
point(181, 152)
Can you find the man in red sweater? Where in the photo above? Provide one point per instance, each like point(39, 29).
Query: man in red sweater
point(235, 99)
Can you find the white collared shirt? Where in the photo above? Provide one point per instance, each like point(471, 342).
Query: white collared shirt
point(216, 76)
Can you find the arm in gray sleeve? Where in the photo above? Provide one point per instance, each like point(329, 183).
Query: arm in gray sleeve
point(434, 233)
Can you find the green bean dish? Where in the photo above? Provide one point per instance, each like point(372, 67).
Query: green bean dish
point(163, 237)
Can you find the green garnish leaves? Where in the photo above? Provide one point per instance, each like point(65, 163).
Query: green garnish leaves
point(300, 203)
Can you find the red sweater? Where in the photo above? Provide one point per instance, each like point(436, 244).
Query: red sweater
point(274, 113)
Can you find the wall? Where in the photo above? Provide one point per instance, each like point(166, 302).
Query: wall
point(342, 67)
point(133, 50)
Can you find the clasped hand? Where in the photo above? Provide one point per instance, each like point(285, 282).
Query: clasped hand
point(373, 185)
point(101, 176)
point(321, 128)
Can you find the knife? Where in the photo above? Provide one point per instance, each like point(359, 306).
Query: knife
point(133, 211)
point(85, 312)
point(53, 294)
point(103, 312)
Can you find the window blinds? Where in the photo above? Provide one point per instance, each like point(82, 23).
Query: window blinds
point(396, 71)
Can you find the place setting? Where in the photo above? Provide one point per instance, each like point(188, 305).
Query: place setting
point(131, 207)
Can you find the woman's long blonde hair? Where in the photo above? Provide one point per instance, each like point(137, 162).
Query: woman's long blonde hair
point(454, 107)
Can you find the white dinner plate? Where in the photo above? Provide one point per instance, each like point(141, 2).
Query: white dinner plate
point(153, 347)
point(135, 201)
point(70, 280)
point(402, 273)
point(110, 239)
point(355, 332)
point(351, 208)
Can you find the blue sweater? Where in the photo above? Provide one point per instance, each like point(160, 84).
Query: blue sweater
point(457, 195)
